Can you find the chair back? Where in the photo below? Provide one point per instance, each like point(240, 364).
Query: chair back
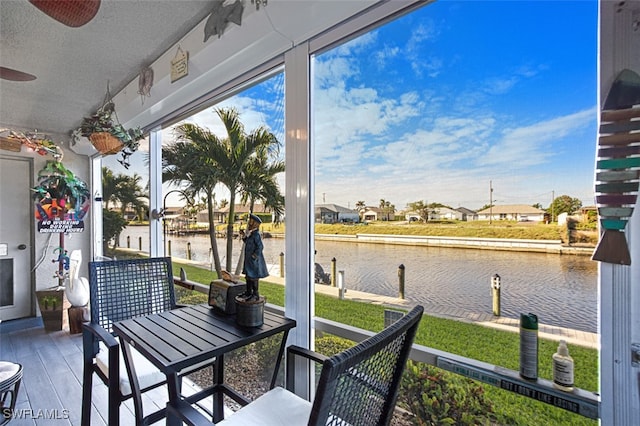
point(360, 385)
point(123, 289)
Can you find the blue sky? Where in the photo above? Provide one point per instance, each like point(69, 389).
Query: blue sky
point(437, 104)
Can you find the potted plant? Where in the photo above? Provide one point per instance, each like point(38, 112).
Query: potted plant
point(108, 136)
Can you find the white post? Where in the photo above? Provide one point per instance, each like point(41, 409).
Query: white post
point(299, 289)
point(618, 284)
point(341, 288)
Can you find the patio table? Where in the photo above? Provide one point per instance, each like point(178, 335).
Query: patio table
point(176, 340)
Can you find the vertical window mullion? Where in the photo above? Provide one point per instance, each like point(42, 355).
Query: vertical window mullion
point(156, 247)
point(299, 295)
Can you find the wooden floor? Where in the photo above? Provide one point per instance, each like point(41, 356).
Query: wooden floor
point(51, 389)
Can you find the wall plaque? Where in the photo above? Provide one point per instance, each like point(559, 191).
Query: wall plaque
point(179, 65)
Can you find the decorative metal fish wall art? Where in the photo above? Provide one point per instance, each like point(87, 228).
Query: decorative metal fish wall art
point(618, 167)
point(220, 17)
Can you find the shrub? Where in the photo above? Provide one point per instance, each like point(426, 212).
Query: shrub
point(437, 397)
point(330, 345)
point(267, 352)
point(189, 297)
point(112, 225)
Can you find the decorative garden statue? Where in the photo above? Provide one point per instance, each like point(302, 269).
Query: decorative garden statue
point(255, 266)
point(77, 289)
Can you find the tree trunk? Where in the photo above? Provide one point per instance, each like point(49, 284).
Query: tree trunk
point(240, 261)
point(212, 234)
point(230, 220)
point(241, 257)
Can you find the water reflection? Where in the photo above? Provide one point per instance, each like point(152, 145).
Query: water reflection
point(561, 290)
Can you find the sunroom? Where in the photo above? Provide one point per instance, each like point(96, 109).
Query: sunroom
point(276, 46)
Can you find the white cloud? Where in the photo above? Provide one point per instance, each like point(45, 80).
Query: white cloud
point(448, 159)
point(531, 145)
point(425, 31)
point(385, 54)
point(499, 86)
point(417, 53)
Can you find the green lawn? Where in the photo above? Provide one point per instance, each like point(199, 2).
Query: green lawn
point(476, 229)
point(473, 229)
point(461, 338)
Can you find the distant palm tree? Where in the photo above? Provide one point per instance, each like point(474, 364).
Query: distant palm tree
point(110, 186)
point(360, 205)
point(387, 208)
point(124, 190)
point(131, 194)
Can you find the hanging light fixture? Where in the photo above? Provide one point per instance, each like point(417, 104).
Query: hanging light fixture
point(259, 3)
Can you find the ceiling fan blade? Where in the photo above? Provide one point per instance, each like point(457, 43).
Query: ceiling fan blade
point(73, 13)
point(15, 75)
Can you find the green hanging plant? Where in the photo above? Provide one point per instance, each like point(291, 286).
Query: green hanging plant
point(106, 133)
point(104, 120)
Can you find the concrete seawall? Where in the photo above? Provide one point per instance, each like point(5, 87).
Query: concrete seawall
point(486, 319)
point(539, 246)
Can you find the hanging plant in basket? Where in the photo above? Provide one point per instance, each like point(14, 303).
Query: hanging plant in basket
point(107, 135)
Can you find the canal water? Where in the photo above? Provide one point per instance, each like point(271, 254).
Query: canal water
point(560, 289)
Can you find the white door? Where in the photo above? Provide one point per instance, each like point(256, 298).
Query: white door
point(16, 216)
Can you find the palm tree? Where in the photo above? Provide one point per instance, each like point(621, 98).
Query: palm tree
point(188, 162)
point(110, 186)
point(360, 205)
point(201, 160)
point(233, 156)
point(391, 209)
point(125, 190)
point(387, 207)
point(260, 175)
point(383, 206)
point(130, 193)
point(260, 181)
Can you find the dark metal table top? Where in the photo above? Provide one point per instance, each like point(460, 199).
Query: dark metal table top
point(183, 337)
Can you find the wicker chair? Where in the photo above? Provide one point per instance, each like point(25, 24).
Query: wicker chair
point(357, 387)
point(10, 378)
point(122, 289)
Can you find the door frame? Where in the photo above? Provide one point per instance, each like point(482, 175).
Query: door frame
point(32, 241)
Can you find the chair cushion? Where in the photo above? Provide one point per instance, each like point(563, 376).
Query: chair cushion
point(278, 407)
point(8, 370)
point(148, 374)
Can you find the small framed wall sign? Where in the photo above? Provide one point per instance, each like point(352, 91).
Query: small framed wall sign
point(179, 65)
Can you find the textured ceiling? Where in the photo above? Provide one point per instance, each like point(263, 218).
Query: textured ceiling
point(73, 65)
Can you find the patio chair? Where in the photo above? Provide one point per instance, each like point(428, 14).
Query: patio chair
point(357, 387)
point(123, 289)
point(10, 378)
